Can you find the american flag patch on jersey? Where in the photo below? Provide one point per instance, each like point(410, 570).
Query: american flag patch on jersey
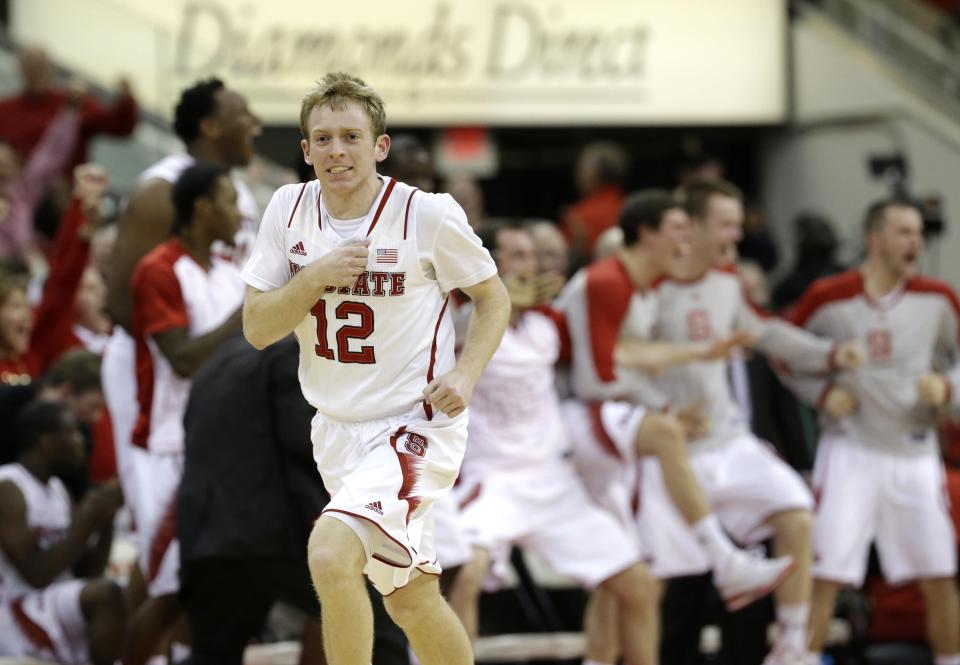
point(387, 256)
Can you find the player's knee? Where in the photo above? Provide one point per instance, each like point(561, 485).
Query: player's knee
point(635, 586)
point(470, 577)
point(661, 433)
point(101, 596)
point(329, 567)
point(406, 605)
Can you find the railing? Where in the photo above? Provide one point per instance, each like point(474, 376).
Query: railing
point(920, 40)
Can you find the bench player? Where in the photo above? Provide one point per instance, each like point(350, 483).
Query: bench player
point(878, 474)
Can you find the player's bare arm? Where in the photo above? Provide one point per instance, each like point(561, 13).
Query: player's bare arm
point(452, 391)
point(185, 354)
point(269, 316)
point(655, 356)
point(145, 223)
point(39, 566)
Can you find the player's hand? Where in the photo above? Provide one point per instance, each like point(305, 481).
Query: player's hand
point(522, 291)
point(722, 348)
point(932, 389)
point(695, 422)
point(450, 393)
point(100, 504)
point(342, 266)
point(548, 286)
point(848, 355)
point(839, 402)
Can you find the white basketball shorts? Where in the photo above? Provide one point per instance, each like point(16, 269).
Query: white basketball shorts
point(383, 477)
point(47, 624)
point(899, 501)
point(745, 484)
point(547, 510)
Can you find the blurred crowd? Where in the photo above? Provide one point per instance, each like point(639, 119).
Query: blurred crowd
point(72, 280)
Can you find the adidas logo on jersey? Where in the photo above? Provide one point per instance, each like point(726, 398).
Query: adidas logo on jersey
point(375, 507)
point(298, 249)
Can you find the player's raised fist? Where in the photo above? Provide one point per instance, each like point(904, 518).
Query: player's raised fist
point(848, 355)
point(342, 266)
point(932, 389)
point(449, 393)
point(839, 402)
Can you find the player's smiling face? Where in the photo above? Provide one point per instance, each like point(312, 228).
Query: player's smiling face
point(342, 148)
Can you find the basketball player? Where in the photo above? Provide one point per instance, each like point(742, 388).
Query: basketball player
point(757, 494)
point(360, 268)
point(215, 125)
point(186, 303)
point(878, 473)
point(517, 485)
point(54, 602)
point(610, 312)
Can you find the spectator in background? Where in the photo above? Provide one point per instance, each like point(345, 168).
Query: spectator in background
point(816, 250)
point(22, 189)
point(247, 501)
point(409, 161)
point(71, 312)
point(699, 167)
point(54, 603)
point(466, 191)
point(757, 245)
point(74, 380)
point(600, 172)
point(26, 116)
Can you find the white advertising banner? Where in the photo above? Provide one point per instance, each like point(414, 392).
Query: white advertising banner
point(441, 62)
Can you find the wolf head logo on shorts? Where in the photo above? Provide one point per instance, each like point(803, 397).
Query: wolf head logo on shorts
point(416, 444)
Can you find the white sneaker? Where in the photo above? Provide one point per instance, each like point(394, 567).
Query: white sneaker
point(779, 657)
point(744, 578)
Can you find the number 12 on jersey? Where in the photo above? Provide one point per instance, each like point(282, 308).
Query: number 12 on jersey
point(365, 355)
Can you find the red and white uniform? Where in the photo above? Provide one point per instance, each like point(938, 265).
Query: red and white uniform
point(518, 487)
point(170, 290)
point(118, 370)
point(367, 352)
point(878, 475)
point(744, 481)
point(601, 305)
point(41, 623)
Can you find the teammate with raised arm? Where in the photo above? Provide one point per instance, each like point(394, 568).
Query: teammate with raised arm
point(360, 268)
point(610, 311)
point(878, 473)
point(757, 495)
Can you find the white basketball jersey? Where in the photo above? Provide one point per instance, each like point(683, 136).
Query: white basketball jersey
point(172, 166)
point(48, 516)
point(515, 418)
point(367, 351)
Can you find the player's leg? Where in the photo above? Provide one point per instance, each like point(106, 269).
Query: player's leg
point(336, 557)
point(601, 621)
point(740, 578)
point(916, 541)
point(638, 600)
point(821, 611)
point(943, 619)
point(101, 602)
point(465, 591)
point(436, 634)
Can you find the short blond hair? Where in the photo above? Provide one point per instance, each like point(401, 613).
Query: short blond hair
point(336, 90)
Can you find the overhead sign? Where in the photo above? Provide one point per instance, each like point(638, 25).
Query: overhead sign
point(442, 62)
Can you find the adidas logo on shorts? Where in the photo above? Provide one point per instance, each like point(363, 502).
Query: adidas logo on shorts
point(298, 249)
point(375, 507)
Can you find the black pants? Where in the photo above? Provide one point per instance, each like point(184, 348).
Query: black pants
point(227, 602)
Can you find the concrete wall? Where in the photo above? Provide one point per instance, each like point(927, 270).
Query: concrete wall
point(848, 105)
